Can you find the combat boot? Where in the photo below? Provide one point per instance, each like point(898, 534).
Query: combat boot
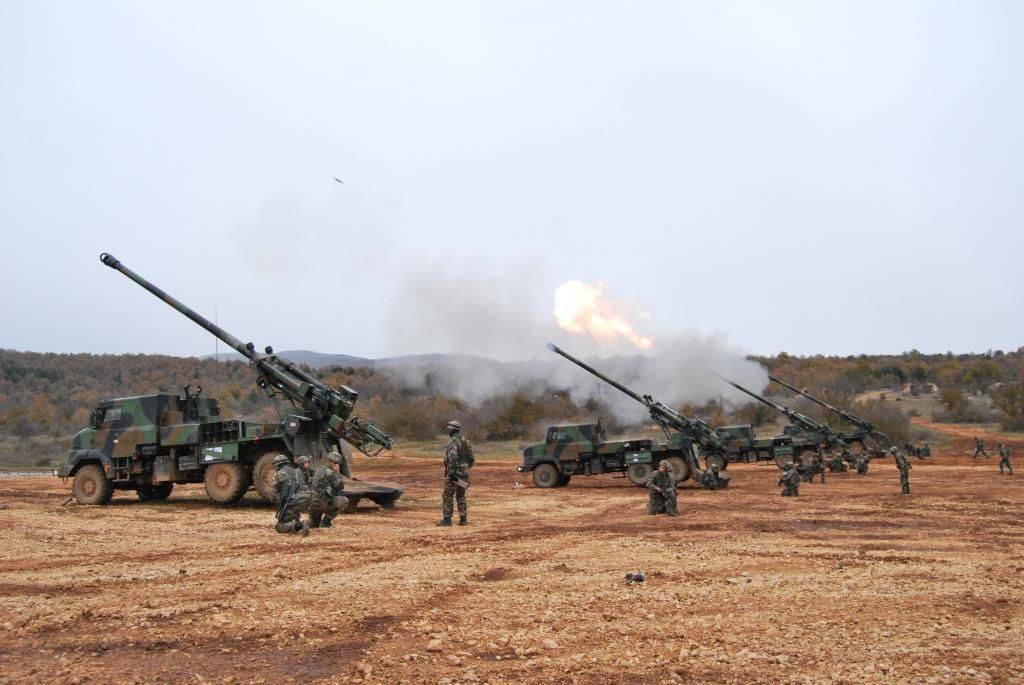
point(326, 521)
point(463, 521)
point(445, 522)
point(303, 529)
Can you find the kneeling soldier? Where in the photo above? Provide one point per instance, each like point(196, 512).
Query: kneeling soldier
point(662, 487)
point(327, 500)
point(292, 497)
point(790, 481)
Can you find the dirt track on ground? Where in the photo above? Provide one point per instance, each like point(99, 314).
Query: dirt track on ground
point(850, 582)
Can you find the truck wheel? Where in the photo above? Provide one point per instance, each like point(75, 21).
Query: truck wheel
point(226, 483)
point(782, 459)
point(545, 476)
point(679, 467)
point(353, 502)
point(264, 474)
point(721, 460)
point(91, 485)
point(148, 493)
point(857, 448)
point(639, 474)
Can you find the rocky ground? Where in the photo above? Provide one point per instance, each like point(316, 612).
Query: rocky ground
point(851, 582)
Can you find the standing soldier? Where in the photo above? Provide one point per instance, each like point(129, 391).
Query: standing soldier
point(790, 481)
point(979, 448)
point(903, 464)
point(458, 459)
point(1004, 458)
point(662, 488)
point(326, 498)
point(817, 466)
point(292, 497)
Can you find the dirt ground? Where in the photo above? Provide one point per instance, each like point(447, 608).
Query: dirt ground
point(851, 582)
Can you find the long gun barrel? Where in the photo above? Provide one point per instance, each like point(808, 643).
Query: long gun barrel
point(845, 415)
point(805, 422)
point(326, 406)
point(664, 416)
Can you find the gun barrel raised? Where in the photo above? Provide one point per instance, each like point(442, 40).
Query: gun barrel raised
point(586, 367)
point(773, 405)
point(113, 262)
point(847, 416)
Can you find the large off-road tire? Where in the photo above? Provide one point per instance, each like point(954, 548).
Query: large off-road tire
point(353, 502)
point(857, 447)
point(150, 493)
point(545, 476)
point(781, 459)
point(563, 480)
point(264, 474)
point(680, 468)
point(91, 485)
point(227, 482)
point(639, 474)
point(720, 459)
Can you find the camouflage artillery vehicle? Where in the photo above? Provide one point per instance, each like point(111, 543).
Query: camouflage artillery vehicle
point(803, 435)
point(582, 450)
point(150, 443)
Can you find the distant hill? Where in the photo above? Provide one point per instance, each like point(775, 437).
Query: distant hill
point(320, 360)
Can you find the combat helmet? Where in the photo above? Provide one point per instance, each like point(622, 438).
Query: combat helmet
point(335, 458)
point(279, 461)
point(453, 425)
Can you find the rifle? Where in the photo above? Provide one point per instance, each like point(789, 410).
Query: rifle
point(282, 508)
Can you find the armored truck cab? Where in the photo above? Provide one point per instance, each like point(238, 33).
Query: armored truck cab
point(152, 442)
point(582, 450)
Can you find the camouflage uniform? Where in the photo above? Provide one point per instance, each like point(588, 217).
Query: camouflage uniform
point(710, 478)
point(862, 464)
point(662, 488)
point(1004, 458)
point(790, 481)
point(817, 466)
point(327, 500)
point(458, 460)
point(838, 462)
point(287, 477)
point(903, 464)
point(979, 448)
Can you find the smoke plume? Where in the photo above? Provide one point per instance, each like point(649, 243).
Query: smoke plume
point(491, 330)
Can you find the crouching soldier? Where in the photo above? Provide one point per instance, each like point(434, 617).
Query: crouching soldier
point(790, 481)
point(838, 462)
point(662, 488)
point(292, 497)
point(458, 460)
point(862, 463)
point(326, 498)
point(712, 479)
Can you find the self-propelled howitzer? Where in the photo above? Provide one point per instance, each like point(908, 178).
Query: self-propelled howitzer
point(862, 424)
point(667, 418)
point(828, 436)
point(318, 415)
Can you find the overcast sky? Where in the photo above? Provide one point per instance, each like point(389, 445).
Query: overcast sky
point(810, 177)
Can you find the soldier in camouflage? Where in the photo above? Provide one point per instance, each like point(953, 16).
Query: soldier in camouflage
point(289, 481)
point(903, 464)
point(1004, 459)
point(305, 467)
point(662, 489)
point(817, 466)
point(458, 460)
point(838, 462)
point(979, 448)
point(862, 463)
point(711, 479)
point(327, 500)
point(790, 481)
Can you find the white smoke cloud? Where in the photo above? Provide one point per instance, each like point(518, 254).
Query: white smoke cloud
point(493, 329)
